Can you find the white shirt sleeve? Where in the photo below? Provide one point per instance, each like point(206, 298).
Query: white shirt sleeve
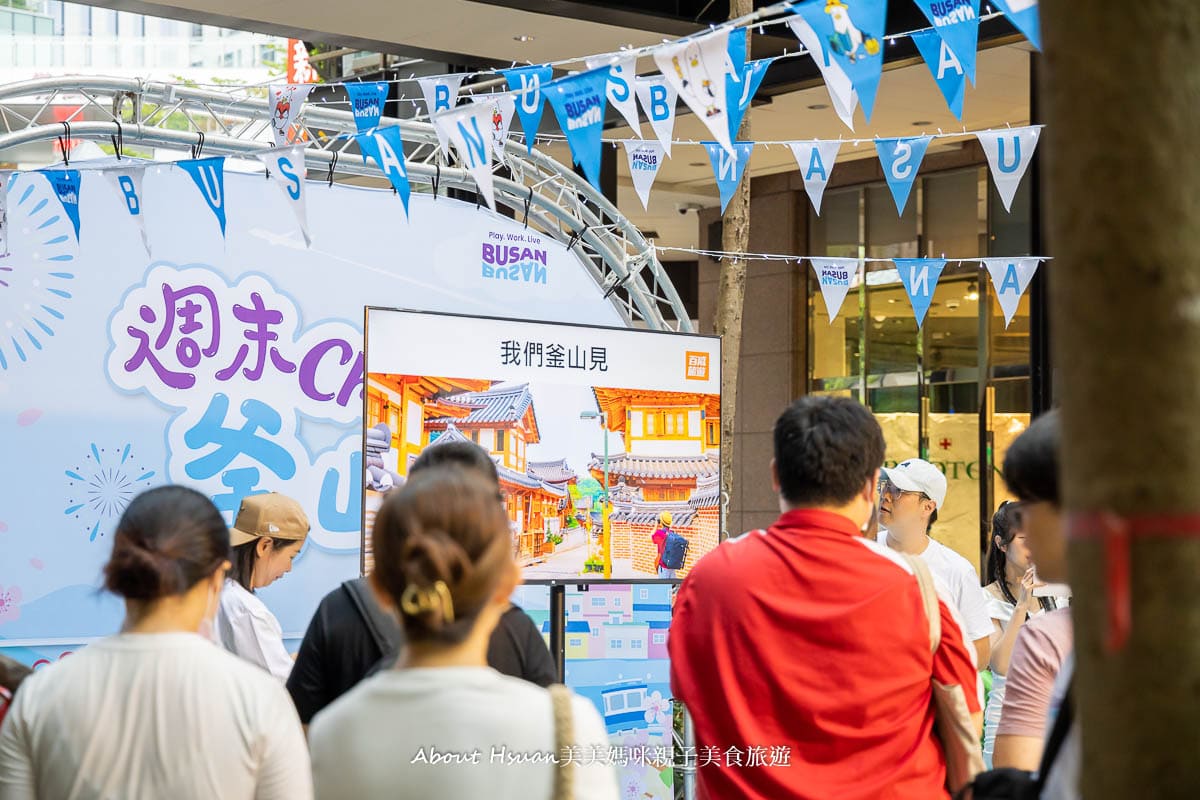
point(596, 780)
point(16, 765)
point(254, 634)
point(284, 771)
point(972, 602)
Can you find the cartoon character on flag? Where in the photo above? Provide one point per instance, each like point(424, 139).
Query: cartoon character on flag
point(847, 38)
point(693, 68)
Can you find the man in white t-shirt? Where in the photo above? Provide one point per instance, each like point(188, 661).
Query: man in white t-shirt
point(911, 494)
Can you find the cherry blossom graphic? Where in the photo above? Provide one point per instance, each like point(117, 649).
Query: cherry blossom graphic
point(658, 709)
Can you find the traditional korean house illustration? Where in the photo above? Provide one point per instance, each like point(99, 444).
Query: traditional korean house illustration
point(671, 463)
point(502, 420)
point(402, 403)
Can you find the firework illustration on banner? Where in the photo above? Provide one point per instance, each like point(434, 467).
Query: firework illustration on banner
point(101, 485)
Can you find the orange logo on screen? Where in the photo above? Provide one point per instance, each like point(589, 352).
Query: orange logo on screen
point(697, 366)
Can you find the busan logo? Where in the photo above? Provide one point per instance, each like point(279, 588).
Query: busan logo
point(697, 366)
point(519, 263)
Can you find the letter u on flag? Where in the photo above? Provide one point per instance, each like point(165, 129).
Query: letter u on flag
point(851, 34)
point(901, 158)
point(1010, 278)
point(286, 102)
point(469, 129)
point(366, 103)
point(658, 101)
point(957, 22)
point(387, 149)
point(947, 71)
point(835, 276)
point(529, 81)
point(65, 183)
point(127, 183)
point(728, 168)
point(696, 69)
point(1008, 153)
point(920, 277)
point(815, 160)
point(209, 176)
point(579, 102)
point(286, 166)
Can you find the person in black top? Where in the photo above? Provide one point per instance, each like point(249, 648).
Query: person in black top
point(351, 636)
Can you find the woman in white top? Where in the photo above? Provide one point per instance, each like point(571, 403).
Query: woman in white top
point(156, 711)
point(1010, 602)
point(442, 723)
point(267, 535)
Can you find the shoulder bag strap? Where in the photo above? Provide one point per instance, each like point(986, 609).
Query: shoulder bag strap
point(564, 738)
point(929, 597)
point(1058, 734)
point(372, 614)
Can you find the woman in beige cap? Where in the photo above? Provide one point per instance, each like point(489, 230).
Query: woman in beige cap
point(267, 535)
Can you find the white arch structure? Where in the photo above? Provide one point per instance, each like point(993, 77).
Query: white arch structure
point(541, 191)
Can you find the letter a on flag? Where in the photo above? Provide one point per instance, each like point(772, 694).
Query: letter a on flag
point(1010, 278)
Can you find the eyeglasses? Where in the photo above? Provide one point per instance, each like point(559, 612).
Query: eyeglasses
point(892, 490)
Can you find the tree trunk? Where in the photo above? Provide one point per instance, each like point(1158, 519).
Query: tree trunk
point(1122, 95)
point(731, 292)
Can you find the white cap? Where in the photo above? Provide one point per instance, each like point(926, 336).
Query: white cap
point(918, 475)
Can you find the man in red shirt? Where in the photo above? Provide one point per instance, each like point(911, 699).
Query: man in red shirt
point(802, 652)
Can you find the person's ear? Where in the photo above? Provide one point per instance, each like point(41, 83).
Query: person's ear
point(1000, 545)
point(869, 491)
point(774, 477)
point(263, 546)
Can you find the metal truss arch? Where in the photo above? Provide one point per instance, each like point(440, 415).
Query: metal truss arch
point(541, 192)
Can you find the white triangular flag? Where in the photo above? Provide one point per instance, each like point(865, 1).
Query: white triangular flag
point(1008, 153)
point(696, 68)
point(286, 102)
point(468, 129)
point(835, 276)
point(622, 73)
point(816, 162)
point(127, 182)
point(644, 160)
point(502, 107)
point(441, 94)
point(286, 166)
point(841, 91)
point(1010, 279)
point(658, 101)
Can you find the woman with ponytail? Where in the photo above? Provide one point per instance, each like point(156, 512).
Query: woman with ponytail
point(157, 710)
point(1010, 602)
point(442, 723)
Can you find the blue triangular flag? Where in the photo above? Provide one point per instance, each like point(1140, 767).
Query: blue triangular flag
point(736, 47)
point(901, 158)
point(947, 72)
point(579, 102)
point(387, 149)
point(1023, 14)
point(957, 22)
point(851, 33)
point(728, 168)
point(529, 81)
point(209, 177)
point(65, 183)
point(920, 277)
point(738, 95)
point(366, 103)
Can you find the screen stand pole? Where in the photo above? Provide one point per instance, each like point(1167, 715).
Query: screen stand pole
point(558, 629)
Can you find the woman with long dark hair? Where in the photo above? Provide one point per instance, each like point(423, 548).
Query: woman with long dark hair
point(1010, 602)
point(442, 723)
point(156, 711)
